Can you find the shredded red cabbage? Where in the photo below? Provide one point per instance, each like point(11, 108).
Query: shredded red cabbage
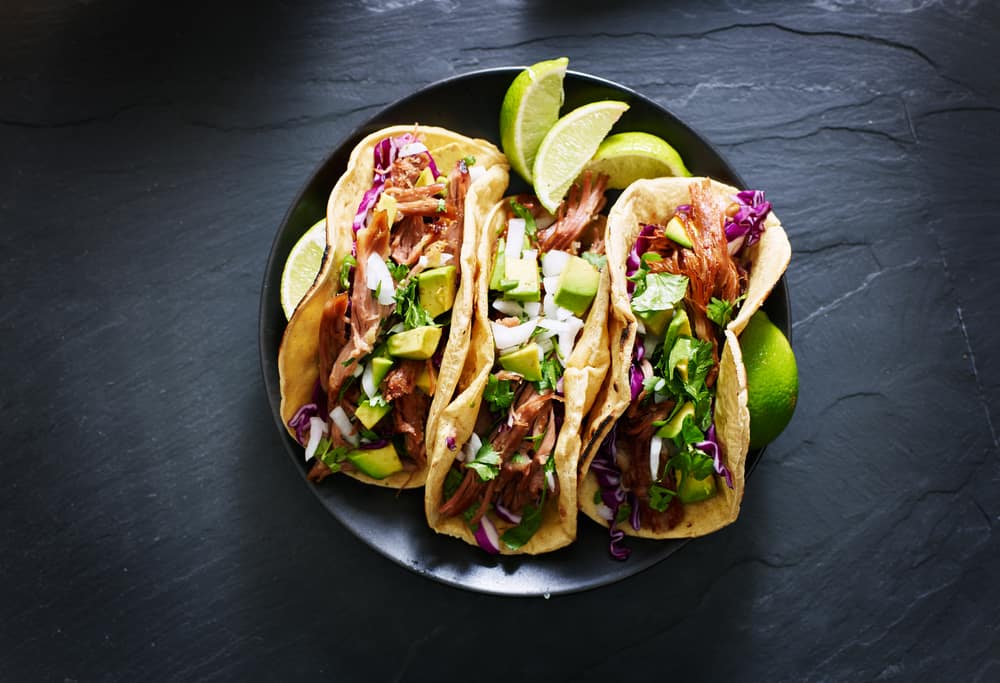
point(749, 219)
point(609, 478)
point(300, 421)
point(635, 378)
point(452, 445)
point(710, 446)
point(634, 260)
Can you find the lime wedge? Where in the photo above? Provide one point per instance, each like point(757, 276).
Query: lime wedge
point(529, 109)
point(569, 145)
point(302, 266)
point(626, 157)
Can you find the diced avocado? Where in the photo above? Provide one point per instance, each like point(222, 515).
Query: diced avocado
point(693, 490)
point(420, 343)
point(436, 290)
point(524, 271)
point(655, 322)
point(673, 427)
point(369, 415)
point(524, 362)
point(424, 381)
point(577, 285)
point(679, 324)
point(378, 463)
point(380, 367)
point(675, 231)
point(498, 267)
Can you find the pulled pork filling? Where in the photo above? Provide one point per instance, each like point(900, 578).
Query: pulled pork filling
point(507, 475)
point(409, 222)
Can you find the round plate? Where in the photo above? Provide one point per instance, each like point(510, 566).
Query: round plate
point(394, 525)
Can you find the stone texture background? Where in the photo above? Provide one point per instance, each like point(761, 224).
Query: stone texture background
point(151, 525)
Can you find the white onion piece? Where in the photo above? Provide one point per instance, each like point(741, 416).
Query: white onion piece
point(556, 326)
point(339, 417)
point(368, 380)
point(379, 278)
point(397, 328)
point(649, 343)
point(506, 515)
point(604, 512)
point(554, 262)
point(655, 446)
point(553, 311)
point(506, 337)
point(532, 309)
point(317, 428)
point(544, 345)
point(471, 447)
point(444, 258)
point(476, 172)
point(412, 148)
point(507, 307)
point(639, 327)
point(550, 479)
point(567, 339)
point(531, 254)
point(515, 237)
point(550, 283)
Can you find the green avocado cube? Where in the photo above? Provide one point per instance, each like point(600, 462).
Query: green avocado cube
point(673, 426)
point(436, 290)
point(499, 269)
point(524, 271)
point(380, 368)
point(675, 231)
point(693, 490)
point(655, 322)
point(577, 285)
point(420, 343)
point(524, 362)
point(377, 463)
point(369, 415)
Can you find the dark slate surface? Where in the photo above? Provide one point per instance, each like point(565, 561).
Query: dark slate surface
point(152, 526)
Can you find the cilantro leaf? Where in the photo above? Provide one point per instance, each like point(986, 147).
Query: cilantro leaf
point(551, 372)
point(408, 306)
point(498, 394)
point(345, 271)
point(662, 292)
point(486, 463)
point(720, 311)
point(469, 160)
point(531, 520)
point(624, 512)
point(530, 229)
point(452, 481)
point(639, 276)
point(331, 457)
point(660, 497)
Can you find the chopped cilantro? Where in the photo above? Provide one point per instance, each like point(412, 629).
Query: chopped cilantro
point(486, 463)
point(624, 512)
point(660, 497)
point(408, 306)
point(469, 160)
point(451, 482)
point(331, 457)
point(498, 394)
point(662, 292)
point(720, 311)
point(530, 229)
point(442, 206)
point(551, 372)
point(345, 271)
point(596, 260)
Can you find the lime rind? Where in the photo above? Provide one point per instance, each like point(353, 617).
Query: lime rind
point(530, 108)
point(627, 157)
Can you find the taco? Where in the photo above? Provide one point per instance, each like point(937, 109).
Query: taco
point(504, 458)
point(382, 333)
point(690, 260)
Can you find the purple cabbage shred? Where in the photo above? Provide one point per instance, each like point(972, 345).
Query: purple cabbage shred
point(749, 219)
point(710, 446)
point(386, 152)
point(300, 421)
point(609, 478)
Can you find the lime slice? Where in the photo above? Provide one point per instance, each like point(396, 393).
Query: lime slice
point(568, 146)
point(302, 266)
point(529, 109)
point(772, 379)
point(626, 157)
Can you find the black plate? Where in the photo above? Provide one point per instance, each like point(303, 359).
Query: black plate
point(395, 525)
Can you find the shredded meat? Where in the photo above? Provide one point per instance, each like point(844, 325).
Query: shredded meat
point(401, 379)
point(458, 188)
point(412, 194)
point(581, 206)
point(633, 458)
point(366, 311)
point(409, 414)
point(332, 335)
point(405, 171)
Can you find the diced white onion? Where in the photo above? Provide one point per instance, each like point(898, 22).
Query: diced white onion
point(476, 172)
point(639, 327)
point(649, 343)
point(530, 254)
point(506, 337)
point(515, 237)
point(552, 310)
point(655, 446)
point(368, 380)
point(397, 328)
point(412, 148)
point(533, 309)
point(357, 369)
point(556, 326)
point(379, 278)
point(471, 447)
point(508, 307)
point(604, 512)
point(550, 283)
point(544, 345)
point(550, 479)
point(339, 417)
point(567, 339)
point(444, 258)
point(554, 262)
point(317, 428)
